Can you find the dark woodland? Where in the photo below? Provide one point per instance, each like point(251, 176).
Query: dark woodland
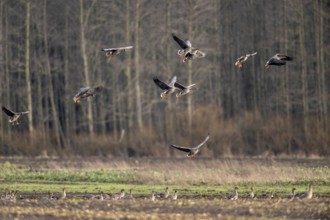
point(51, 48)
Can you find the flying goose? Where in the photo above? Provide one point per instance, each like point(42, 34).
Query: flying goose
point(235, 195)
point(183, 89)
point(85, 92)
point(14, 116)
point(192, 151)
point(112, 52)
point(242, 59)
point(306, 195)
point(278, 60)
point(187, 52)
point(168, 88)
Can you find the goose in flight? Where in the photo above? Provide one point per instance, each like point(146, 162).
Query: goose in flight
point(14, 116)
point(85, 92)
point(278, 60)
point(112, 52)
point(187, 52)
point(168, 88)
point(183, 90)
point(242, 59)
point(192, 151)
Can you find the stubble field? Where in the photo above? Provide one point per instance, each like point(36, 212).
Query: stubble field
point(203, 186)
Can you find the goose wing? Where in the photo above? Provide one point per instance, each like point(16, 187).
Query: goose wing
point(282, 57)
point(82, 91)
point(8, 112)
point(161, 84)
point(185, 149)
point(172, 82)
point(95, 90)
point(183, 44)
point(179, 86)
point(124, 48)
point(205, 140)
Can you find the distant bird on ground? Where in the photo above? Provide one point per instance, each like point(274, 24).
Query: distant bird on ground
point(192, 151)
point(14, 116)
point(242, 59)
point(174, 196)
point(153, 197)
point(292, 194)
point(235, 195)
point(163, 195)
point(61, 196)
point(119, 195)
point(184, 89)
point(305, 195)
point(278, 60)
point(187, 52)
point(168, 88)
point(85, 92)
point(112, 52)
point(130, 195)
point(252, 194)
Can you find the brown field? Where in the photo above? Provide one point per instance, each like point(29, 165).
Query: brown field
point(203, 186)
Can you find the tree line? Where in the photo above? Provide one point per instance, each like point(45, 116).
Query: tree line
point(50, 49)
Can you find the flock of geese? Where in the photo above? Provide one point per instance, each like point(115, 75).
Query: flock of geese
point(186, 53)
point(165, 195)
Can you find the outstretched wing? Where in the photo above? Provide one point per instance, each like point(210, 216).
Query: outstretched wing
point(24, 113)
point(173, 80)
point(96, 90)
point(124, 48)
point(179, 86)
point(161, 84)
point(82, 91)
point(8, 112)
point(282, 57)
point(205, 140)
point(181, 42)
point(185, 149)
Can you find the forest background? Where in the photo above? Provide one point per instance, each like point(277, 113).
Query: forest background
point(49, 49)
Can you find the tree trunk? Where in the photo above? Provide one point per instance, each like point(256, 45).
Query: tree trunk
point(304, 67)
point(128, 71)
point(137, 63)
point(27, 67)
point(50, 84)
point(86, 70)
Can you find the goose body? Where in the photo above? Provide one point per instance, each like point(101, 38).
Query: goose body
point(278, 60)
point(192, 151)
point(239, 62)
point(112, 52)
point(183, 90)
point(167, 88)
point(14, 116)
point(187, 52)
point(86, 92)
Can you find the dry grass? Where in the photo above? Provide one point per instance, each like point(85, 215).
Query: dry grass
point(183, 171)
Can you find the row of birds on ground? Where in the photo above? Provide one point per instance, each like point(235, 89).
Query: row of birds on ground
point(163, 195)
